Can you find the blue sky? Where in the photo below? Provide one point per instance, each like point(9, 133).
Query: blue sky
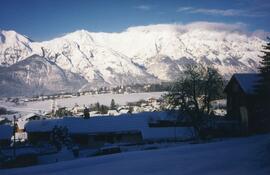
point(45, 19)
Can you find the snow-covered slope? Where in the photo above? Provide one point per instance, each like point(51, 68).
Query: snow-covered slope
point(13, 47)
point(36, 75)
point(79, 53)
point(227, 47)
point(247, 156)
point(143, 54)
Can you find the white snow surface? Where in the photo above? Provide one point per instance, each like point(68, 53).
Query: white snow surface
point(6, 132)
point(125, 122)
point(247, 156)
point(104, 99)
point(143, 54)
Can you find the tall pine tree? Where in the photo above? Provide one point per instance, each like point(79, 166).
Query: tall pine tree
point(263, 91)
point(113, 105)
point(264, 82)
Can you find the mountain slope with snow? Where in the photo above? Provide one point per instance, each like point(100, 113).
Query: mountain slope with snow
point(36, 75)
point(228, 48)
point(79, 53)
point(14, 47)
point(144, 54)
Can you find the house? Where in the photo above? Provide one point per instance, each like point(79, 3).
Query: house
point(6, 132)
point(152, 100)
point(97, 131)
point(241, 100)
point(99, 139)
point(123, 109)
point(77, 109)
point(96, 113)
point(113, 112)
point(24, 119)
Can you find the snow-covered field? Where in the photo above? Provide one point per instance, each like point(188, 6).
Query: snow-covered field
point(105, 99)
point(240, 156)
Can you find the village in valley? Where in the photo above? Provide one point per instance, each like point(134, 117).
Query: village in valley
point(60, 133)
point(135, 87)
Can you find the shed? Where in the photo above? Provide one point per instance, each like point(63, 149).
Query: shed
point(241, 99)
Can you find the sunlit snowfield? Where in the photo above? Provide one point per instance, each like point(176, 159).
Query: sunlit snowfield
point(105, 99)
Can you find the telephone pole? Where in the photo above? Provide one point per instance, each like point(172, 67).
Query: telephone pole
point(14, 138)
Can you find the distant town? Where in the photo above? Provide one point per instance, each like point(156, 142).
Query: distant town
point(137, 87)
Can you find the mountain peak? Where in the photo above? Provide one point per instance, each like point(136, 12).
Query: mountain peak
point(11, 36)
point(142, 54)
point(78, 35)
point(81, 32)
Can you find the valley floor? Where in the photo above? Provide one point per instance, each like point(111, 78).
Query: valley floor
point(105, 99)
point(249, 155)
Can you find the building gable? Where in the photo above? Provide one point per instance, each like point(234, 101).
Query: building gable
point(246, 82)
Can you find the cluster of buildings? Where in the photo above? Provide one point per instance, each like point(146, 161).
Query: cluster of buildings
point(20, 121)
point(149, 105)
point(125, 89)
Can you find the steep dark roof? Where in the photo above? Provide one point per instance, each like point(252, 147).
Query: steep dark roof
point(247, 81)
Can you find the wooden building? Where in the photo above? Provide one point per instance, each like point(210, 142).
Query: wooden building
point(242, 101)
point(98, 139)
point(97, 131)
point(90, 139)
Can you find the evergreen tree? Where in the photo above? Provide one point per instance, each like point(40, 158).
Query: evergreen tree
point(263, 86)
point(103, 109)
point(113, 106)
point(97, 106)
point(86, 113)
point(3, 110)
point(264, 82)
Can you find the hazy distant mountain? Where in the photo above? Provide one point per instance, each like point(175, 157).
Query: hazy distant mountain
point(144, 54)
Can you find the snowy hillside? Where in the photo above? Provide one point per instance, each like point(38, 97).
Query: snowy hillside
point(143, 54)
point(36, 75)
point(13, 47)
point(247, 156)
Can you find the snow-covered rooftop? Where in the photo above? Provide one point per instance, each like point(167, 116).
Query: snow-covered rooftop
point(6, 132)
point(24, 119)
point(126, 122)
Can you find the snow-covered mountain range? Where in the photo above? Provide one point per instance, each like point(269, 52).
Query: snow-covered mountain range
point(144, 54)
